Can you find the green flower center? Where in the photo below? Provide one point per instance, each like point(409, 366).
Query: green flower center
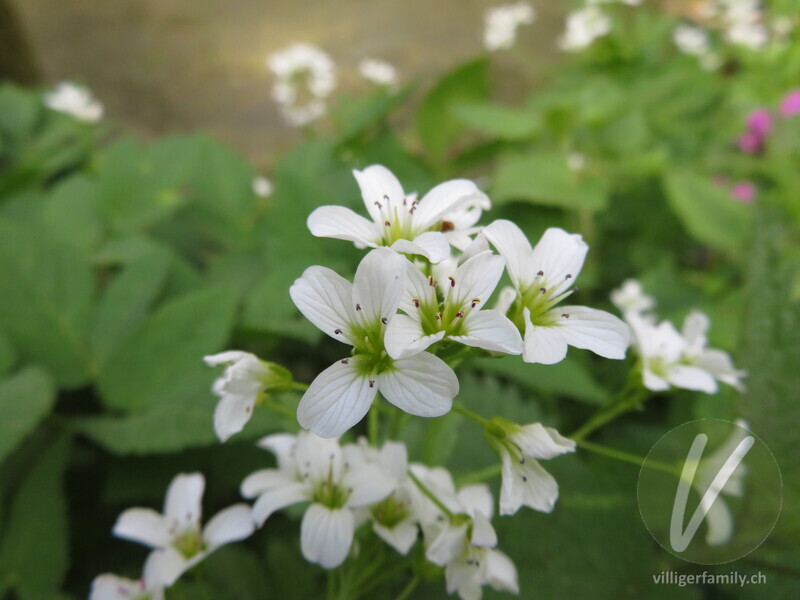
point(189, 543)
point(390, 512)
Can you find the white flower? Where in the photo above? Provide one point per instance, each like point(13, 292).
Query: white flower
point(501, 23)
point(75, 101)
point(358, 314)
point(670, 358)
point(458, 316)
point(744, 23)
point(149, 587)
point(176, 535)
point(584, 26)
point(718, 517)
point(245, 378)
point(576, 161)
point(399, 221)
point(691, 39)
point(379, 72)
point(304, 77)
point(314, 469)
point(630, 298)
point(262, 187)
point(628, 2)
point(525, 481)
point(465, 546)
point(543, 276)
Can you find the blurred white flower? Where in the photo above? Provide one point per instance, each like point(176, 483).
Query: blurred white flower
point(316, 470)
point(148, 587)
point(691, 39)
point(630, 298)
point(543, 276)
point(584, 26)
point(177, 537)
point(262, 187)
point(358, 314)
point(501, 24)
point(401, 221)
point(75, 101)
point(379, 72)
point(576, 161)
point(304, 77)
point(245, 378)
point(628, 2)
point(743, 20)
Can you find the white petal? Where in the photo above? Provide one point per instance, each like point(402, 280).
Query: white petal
point(719, 364)
point(433, 245)
point(695, 327)
point(538, 441)
point(405, 337)
point(171, 564)
point(592, 329)
point(151, 573)
point(515, 248)
point(526, 484)
point(143, 525)
point(692, 378)
point(501, 572)
point(336, 400)
point(379, 186)
point(341, 223)
point(226, 358)
point(422, 385)
point(281, 445)
point(417, 288)
point(483, 534)
point(505, 299)
point(400, 537)
point(477, 498)
point(719, 523)
point(326, 299)
point(445, 197)
point(476, 280)
point(544, 345)
point(231, 415)
point(490, 330)
point(379, 284)
point(274, 500)
point(184, 498)
point(559, 255)
point(229, 525)
point(111, 587)
point(326, 535)
point(447, 545)
point(263, 481)
point(653, 382)
point(369, 485)
point(394, 459)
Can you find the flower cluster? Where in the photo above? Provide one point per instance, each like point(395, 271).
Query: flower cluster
point(378, 72)
point(76, 101)
point(501, 24)
point(670, 358)
point(304, 77)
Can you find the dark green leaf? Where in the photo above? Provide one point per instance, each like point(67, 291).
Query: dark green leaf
point(499, 121)
point(25, 399)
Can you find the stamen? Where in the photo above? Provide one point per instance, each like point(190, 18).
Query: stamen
point(358, 307)
point(405, 201)
point(378, 204)
point(371, 383)
point(565, 315)
point(438, 316)
point(524, 478)
point(337, 331)
point(416, 302)
point(540, 274)
point(384, 320)
point(387, 223)
point(475, 301)
point(460, 315)
point(543, 290)
point(431, 282)
point(452, 282)
point(345, 361)
point(385, 197)
point(569, 276)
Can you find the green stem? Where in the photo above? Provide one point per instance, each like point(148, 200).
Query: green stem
point(374, 424)
point(629, 458)
point(300, 387)
point(630, 399)
point(430, 495)
point(483, 422)
point(409, 589)
point(331, 585)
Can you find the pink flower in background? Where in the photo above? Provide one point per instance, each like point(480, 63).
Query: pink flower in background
point(790, 105)
point(744, 192)
point(751, 142)
point(760, 121)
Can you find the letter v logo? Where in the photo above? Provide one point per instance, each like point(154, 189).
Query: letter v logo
point(680, 539)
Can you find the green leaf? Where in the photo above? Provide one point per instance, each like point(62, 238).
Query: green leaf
point(546, 179)
point(70, 213)
point(47, 300)
point(126, 303)
point(498, 121)
point(8, 354)
point(19, 112)
point(708, 212)
point(34, 551)
point(356, 114)
point(160, 362)
point(437, 125)
point(25, 399)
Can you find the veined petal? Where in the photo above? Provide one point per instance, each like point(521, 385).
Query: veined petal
point(417, 288)
point(263, 481)
point(400, 537)
point(229, 525)
point(559, 255)
point(143, 525)
point(476, 280)
point(692, 378)
point(326, 299)
point(326, 535)
point(379, 284)
point(477, 498)
point(369, 485)
point(433, 245)
point(379, 187)
point(274, 500)
point(336, 400)
point(515, 247)
point(592, 329)
point(490, 330)
point(231, 415)
point(526, 484)
point(184, 496)
point(446, 197)
point(544, 345)
point(447, 545)
point(422, 385)
point(405, 337)
point(483, 534)
point(341, 223)
point(538, 441)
